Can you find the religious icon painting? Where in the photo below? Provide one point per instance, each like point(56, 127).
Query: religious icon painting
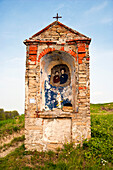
point(63, 76)
point(56, 77)
point(60, 75)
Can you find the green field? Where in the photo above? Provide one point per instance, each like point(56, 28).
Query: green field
point(106, 108)
point(97, 153)
point(11, 125)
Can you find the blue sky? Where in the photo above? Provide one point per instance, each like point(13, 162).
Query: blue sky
point(20, 19)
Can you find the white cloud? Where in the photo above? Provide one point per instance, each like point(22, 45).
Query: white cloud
point(106, 20)
point(97, 8)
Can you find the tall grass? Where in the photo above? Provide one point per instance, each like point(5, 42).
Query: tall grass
point(97, 153)
point(11, 125)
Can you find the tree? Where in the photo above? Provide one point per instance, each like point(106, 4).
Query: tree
point(8, 114)
point(2, 115)
point(14, 113)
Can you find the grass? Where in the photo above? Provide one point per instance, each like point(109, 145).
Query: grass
point(101, 108)
point(11, 125)
point(97, 153)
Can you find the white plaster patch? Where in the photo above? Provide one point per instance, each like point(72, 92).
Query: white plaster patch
point(57, 130)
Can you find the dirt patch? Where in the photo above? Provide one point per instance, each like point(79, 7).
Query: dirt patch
point(12, 148)
point(7, 139)
point(107, 109)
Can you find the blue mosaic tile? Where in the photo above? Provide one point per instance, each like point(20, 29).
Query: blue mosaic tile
point(51, 93)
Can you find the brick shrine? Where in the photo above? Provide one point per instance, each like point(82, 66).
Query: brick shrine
point(57, 88)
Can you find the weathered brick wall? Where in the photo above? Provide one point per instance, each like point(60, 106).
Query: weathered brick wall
point(50, 129)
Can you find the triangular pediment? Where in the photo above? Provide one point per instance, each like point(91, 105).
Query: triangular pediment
point(57, 31)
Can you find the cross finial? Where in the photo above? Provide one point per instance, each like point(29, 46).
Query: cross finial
point(57, 17)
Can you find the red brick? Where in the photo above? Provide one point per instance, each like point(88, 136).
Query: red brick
point(69, 51)
point(33, 58)
point(81, 44)
point(87, 46)
point(42, 53)
point(87, 59)
point(48, 49)
point(75, 55)
point(81, 56)
point(81, 88)
point(40, 56)
point(79, 61)
point(32, 52)
point(62, 49)
point(33, 48)
point(81, 47)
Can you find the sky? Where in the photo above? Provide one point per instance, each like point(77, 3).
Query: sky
point(20, 19)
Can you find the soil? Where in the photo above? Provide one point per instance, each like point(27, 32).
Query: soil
point(7, 139)
point(107, 109)
point(10, 149)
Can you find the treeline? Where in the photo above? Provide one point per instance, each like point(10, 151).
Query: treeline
point(8, 114)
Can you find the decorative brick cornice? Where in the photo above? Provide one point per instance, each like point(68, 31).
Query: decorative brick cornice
point(38, 41)
point(72, 41)
point(79, 40)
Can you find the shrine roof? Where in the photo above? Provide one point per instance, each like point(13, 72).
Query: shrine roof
point(36, 37)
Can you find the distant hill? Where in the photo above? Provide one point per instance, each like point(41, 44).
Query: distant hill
point(101, 108)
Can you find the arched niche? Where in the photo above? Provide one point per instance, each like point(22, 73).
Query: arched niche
point(57, 80)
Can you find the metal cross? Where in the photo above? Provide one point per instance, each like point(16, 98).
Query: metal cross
point(57, 17)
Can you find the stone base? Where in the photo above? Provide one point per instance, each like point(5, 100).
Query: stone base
point(50, 133)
